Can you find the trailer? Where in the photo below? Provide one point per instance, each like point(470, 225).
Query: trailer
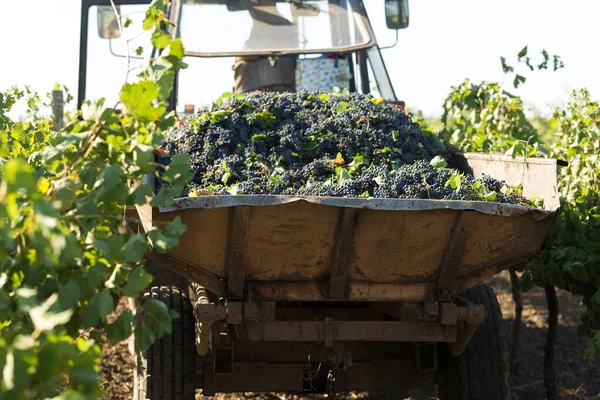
point(316, 294)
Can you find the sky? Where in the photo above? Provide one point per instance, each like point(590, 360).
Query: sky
point(446, 42)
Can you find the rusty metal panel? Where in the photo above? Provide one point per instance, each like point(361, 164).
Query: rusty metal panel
point(258, 377)
point(382, 375)
point(291, 242)
point(493, 239)
point(357, 291)
point(393, 246)
point(347, 331)
point(537, 175)
point(298, 352)
point(267, 200)
point(205, 242)
point(267, 311)
point(286, 377)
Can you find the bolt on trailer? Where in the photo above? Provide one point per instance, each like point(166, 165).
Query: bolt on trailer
point(316, 294)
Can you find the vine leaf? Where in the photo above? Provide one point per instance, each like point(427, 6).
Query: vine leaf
point(44, 319)
point(519, 79)
point(120, 329)
point(137, 281)
point(522, 53)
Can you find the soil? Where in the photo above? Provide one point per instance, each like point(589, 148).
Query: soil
point(576, 378)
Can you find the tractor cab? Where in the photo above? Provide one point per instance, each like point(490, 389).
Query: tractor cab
point(240, 46)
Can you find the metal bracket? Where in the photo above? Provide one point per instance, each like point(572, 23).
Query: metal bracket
point(475, 314)
point(251, 312)
point(449, 314)
point(448, 275)
point(470, 316)
point(236, 260)
point(235, 312)
point(342, 252)
point(431, 308)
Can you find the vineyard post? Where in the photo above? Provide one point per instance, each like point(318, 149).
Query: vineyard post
point(58, 108)
point(516, 328)
point(549, 348)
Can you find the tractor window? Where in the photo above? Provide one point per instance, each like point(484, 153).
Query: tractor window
point(110, 61)
point(323, 73)
point(379, 81)
point(213, 28)
point(208, 78)
point(204, 81)
point(382, 86)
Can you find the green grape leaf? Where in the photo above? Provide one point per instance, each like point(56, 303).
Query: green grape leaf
point(142, 194)
point(519, 79)
point(341, 106)
point(26, 299)
point(101, 305)
point(137, 281)
point(161, 39)
point(455, 182)
point(19, 175)
point(120, 329)
point(438, 162)
point(68, 294)
point(522, 53)
point(324, 97)
point(344, 175)
point(144, 338)
point(45, 320)
point(139, 99)
point(135, 248)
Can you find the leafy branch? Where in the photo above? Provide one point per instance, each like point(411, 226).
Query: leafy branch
point(66, 257)
point(540, 62)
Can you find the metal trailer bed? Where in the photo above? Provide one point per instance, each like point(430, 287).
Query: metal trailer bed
point(276, 272)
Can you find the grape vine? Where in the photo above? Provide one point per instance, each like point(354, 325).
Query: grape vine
point(66, 257)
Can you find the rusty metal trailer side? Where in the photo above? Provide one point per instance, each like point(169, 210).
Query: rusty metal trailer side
point(338, 249)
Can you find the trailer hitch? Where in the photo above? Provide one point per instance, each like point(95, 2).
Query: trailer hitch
point(469, 317)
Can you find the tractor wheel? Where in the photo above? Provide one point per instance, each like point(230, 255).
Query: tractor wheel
point(481, 371)
point(167, 369)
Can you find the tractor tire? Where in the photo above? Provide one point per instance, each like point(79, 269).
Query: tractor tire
point(166, 371)
point(481, 372)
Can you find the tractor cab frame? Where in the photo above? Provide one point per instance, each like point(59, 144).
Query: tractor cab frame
point(216, 34)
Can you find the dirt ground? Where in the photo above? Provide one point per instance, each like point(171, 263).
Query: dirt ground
point(577, 379)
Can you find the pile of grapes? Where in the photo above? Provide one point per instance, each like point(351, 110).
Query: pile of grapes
point(318, 144)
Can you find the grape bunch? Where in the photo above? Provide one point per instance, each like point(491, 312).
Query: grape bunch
point(319, 144)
